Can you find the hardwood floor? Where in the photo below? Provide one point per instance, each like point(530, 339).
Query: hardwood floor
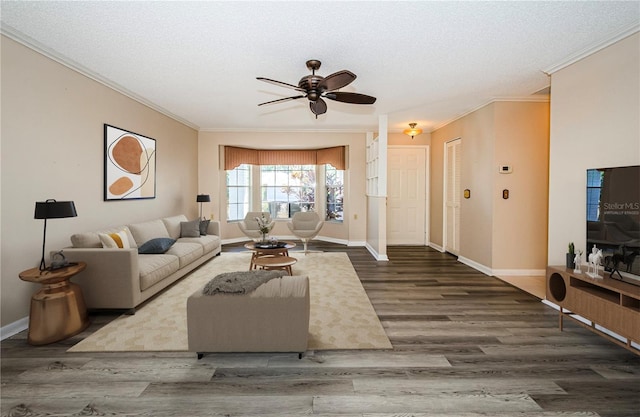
point(464, 345)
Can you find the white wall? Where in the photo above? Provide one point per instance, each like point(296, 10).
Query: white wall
point(595, 123)
point(52, 147)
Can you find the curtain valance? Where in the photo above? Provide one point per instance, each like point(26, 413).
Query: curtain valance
point(234, 157)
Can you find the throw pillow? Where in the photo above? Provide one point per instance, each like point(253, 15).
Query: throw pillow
point(114, 240)
point(204, 225)
point(156, 246)
point(190, 229)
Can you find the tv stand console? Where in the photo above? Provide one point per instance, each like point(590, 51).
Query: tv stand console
point(606, 302)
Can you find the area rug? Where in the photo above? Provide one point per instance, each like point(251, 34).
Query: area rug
point(342, 316)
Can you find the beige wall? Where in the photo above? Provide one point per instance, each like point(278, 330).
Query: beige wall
point(478, 140)
point(492, 234)
point(595, 123)
point(212, 177)
point(52, 147)
point(520, 222)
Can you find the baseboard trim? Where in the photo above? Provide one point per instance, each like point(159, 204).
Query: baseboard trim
point(375, 253)
point(235, 240)
point(14, 328)
point(436, 247)
point(332, 240)
point(475, 265)
point(500, 272)
point(519, 272)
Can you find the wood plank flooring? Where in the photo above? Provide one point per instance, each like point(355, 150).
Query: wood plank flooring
point(464, 344)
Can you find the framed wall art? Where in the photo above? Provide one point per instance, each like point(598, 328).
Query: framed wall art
point(129, 165)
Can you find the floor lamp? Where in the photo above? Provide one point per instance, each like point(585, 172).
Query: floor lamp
point(52, 209)
point(202, 198)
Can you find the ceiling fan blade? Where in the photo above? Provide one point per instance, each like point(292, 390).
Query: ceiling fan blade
point(280, 100)
point(280, 83)
point(336, 80)
point(353, 98)
point(318, 107)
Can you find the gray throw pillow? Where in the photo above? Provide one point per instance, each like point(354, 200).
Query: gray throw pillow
point(204, 225)
point(190, 229)
point(156, 246)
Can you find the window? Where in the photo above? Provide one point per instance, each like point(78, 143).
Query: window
point(594, 187)
point(284, 190)
point(287, 189)
point(334, 180)
point(238, 192)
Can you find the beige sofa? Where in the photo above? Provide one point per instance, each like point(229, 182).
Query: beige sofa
point(118, 278)
point(273, 318)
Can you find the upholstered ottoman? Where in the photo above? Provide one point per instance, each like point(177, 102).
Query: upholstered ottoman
point(272, 318)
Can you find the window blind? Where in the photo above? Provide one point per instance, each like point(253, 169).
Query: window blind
point(235, 156)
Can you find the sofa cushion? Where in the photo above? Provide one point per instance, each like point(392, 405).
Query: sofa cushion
point(190, 229)
point(173, 225)
point(114, 240)
point(92, 239)
point(186, 252)
point(143, 232)
point(155, 268)
point(209, 242)
point(156, 246)
point(204, 225)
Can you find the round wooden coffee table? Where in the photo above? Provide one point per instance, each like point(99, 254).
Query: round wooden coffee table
point(258, 252)
point(275, 262)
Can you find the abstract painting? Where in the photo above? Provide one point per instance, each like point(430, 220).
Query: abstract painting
point(129, 165)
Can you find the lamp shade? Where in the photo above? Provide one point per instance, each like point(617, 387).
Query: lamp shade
point(52, 209)
point(203, 198)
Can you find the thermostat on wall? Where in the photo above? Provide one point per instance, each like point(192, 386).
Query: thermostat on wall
point(505, 169)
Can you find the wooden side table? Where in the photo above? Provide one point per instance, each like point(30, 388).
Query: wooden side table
point(57, 310)
point(275, 262)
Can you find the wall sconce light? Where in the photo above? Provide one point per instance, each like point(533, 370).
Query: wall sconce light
point(413, 131)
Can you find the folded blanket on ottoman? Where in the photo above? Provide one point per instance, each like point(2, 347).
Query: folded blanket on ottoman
point(240, 282)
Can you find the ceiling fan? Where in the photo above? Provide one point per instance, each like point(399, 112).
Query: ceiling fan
point(315, 88)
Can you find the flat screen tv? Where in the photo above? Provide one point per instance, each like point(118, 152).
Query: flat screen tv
point(613, 219)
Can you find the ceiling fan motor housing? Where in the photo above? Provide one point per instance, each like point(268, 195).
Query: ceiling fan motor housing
point(309, 83)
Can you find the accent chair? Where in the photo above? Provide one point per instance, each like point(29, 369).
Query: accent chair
point(249, 226)
point(305, 225)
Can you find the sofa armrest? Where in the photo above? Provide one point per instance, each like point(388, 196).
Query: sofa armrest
point(111, 279)
point(214, 228)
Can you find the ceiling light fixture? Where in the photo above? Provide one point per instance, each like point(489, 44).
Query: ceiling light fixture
point(413, 131)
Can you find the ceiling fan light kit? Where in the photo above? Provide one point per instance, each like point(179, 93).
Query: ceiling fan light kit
point(316, 87)
point(412, 131)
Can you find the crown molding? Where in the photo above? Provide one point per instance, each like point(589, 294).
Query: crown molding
point(532, 99)
point(593, 48)
point(280, 130)
point(54, 55)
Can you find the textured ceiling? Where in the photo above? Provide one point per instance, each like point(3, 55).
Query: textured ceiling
point(426, 62)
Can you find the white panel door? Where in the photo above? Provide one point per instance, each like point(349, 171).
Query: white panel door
point(406, 195)
point(452, 196)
